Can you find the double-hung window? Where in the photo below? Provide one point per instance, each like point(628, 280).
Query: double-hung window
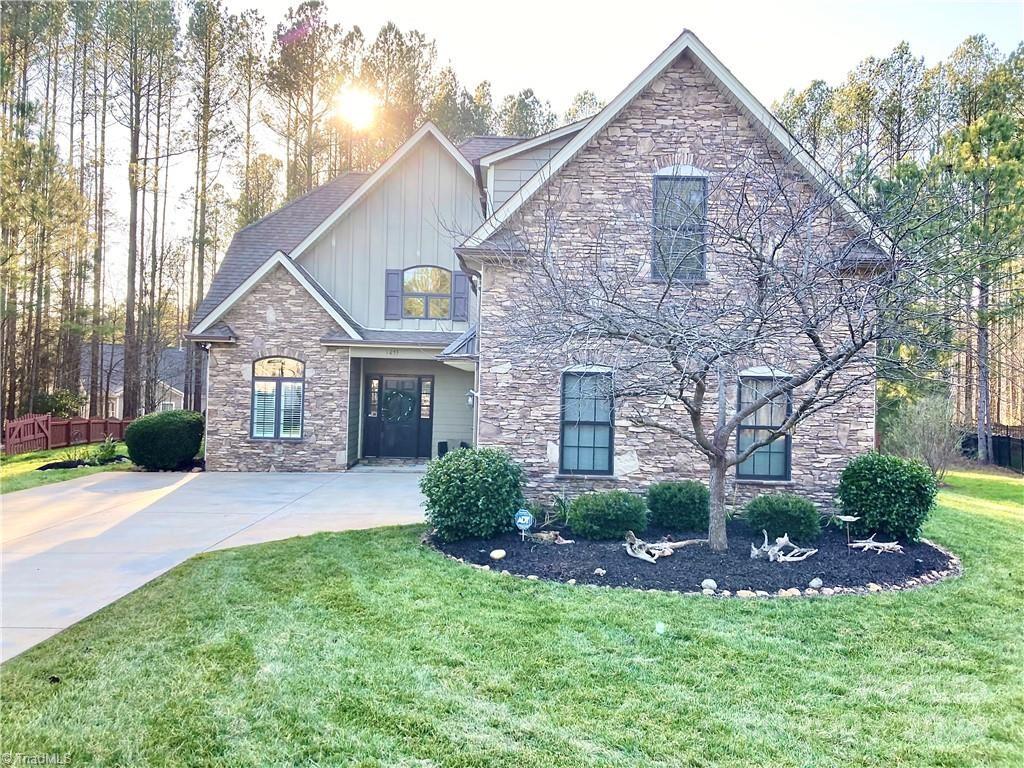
point(678, 223)
point(772, 461)
point(277, 390)
point(587, 423)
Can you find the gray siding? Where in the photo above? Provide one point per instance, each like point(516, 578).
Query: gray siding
point(425, 206)
point(511, 174)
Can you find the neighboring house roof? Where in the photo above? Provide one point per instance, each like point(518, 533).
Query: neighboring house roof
point(281, 230)
point(687, 41)
point(476, 147)
point(170, 367)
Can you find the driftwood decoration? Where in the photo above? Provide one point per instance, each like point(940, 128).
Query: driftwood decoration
point(549, 537)
point(776, 553)
point(878, 547)
point(650, 552)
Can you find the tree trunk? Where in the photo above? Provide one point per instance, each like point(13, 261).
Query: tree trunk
point(717, 538)
point(984, 428)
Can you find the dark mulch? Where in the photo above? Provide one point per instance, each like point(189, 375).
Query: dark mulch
point(835, 564)
point(75, 463)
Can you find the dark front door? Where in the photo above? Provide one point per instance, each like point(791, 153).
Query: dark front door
point(398, 416)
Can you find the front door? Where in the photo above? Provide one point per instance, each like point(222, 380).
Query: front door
point(398, 416)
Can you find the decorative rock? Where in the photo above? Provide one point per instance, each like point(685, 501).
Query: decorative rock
point(828, 591)
point(761, 593)
point(744, 593)
point(708, 591)
point(533, 577)
point(810, 591)
point(497, 554)
point(793, 592)
point(709, 584)
point(725, 593)
point(485, 567)
point(506, 573)
point(816, 583)
point(571, 581)
point(874, 587)
point(600, 571)
point(782, 593)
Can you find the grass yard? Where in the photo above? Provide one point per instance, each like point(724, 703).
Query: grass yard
point(18, 472)
point(366, 649)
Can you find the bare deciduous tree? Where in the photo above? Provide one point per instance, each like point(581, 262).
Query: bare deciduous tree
point(755, 280)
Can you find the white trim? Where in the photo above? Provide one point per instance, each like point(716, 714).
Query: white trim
point(591, 368)
point(537, 141)
point(279, 258)
point(684, 171)
point(686, 41)
point(427, 129)
point(490, 189)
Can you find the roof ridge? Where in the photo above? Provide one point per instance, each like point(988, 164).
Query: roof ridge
point(301, 197)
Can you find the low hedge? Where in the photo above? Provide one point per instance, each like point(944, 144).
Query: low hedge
point(472, 493)
point(785, 513)
point(890, 495)
point(683, 506)
point(607, 515)
point(165, 439)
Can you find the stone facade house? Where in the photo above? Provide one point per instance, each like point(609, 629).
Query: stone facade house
point(366, 320)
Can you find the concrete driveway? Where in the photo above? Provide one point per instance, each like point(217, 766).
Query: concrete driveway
point(71, 548)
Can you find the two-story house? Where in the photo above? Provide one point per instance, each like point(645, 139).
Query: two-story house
point(363, 319)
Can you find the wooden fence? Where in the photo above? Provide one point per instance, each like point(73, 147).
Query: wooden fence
point(34, 432)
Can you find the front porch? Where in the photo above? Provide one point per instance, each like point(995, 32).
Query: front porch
point(406, 407)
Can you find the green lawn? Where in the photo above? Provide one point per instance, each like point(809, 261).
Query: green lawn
point(18, 472)
point(366, 649)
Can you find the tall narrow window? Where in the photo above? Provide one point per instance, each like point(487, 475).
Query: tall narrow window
point(427, 293)
point(680, 209)
point(772, 461)
point(277, 394)
point(587, 423)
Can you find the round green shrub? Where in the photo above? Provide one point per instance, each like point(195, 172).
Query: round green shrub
point(472, 493)
point(683, 506)
point(890, 495)
point(607, 515)
point(785, 513)
point(165, 439)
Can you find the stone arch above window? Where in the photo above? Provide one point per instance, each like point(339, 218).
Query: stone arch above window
point(684, 171)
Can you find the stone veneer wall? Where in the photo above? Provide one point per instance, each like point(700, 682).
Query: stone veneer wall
point(278, 317)
point(682, 118)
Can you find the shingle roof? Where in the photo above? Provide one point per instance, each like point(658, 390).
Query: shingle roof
point(374, 336)
point(464, 346)
point(170, 369)
point(281, 230)
point(476, 147)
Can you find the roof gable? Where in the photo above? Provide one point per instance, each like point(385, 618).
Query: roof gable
point(686, 42)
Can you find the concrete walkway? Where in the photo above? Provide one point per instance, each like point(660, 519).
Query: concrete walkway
point(71, 548)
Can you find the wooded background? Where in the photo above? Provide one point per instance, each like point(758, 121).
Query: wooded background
point(252, 107)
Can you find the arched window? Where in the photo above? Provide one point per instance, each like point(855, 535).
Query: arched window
point(277, 389)
point(427, 293)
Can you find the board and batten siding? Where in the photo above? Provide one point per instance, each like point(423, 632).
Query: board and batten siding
point(509, 175)
point(416, 215)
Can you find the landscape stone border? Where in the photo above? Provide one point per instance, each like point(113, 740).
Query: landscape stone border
point(953, 570)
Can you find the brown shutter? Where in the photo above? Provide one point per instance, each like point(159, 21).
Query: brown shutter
point(460, 296)
point(393, 294)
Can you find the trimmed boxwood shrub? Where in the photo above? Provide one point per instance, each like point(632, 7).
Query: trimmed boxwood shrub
point(607, 515)
point(165, 439)
point(683, 506)
point(472, 493)
point(782, 513)
point(890, 495)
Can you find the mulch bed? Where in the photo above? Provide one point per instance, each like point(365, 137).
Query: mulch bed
point(75, 463)
point(834, 563)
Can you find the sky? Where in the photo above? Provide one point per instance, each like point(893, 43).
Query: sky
point(560, 48)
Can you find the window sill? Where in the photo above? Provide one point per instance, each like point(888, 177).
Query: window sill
point(291, 440)
point(765, 481)
point(563, 476)
point(695, 282)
